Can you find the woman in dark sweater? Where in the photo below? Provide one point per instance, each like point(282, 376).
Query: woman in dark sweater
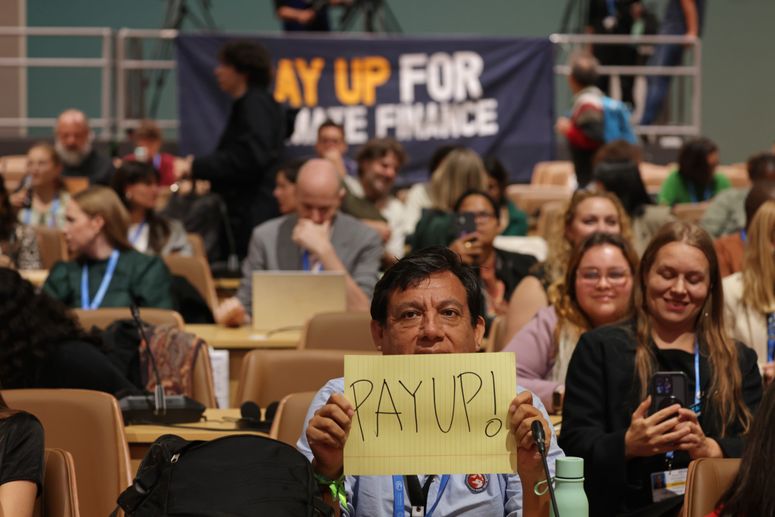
point(607, 415)
point(21, 461)
point(42, 346)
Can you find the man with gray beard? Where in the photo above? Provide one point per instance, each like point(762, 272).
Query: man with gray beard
point(73, 143)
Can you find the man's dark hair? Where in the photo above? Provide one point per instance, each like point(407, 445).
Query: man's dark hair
point(476, 192)
point(495, 169)
point(290, 169)
point(330, 123)
point(693, 160)
point(248, 58)
point(761, 166)
point(418, 266)
point(376, 148)
point(761, 192)
point(583, 69)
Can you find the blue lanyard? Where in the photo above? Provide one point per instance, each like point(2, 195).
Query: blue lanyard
point(693, 195)
point(156, 161)
point(106, 278)
point(743, 235)
point(52, 212)
point(771, 337)
point(697, 406)
point(305, 260)
point(136, 234)
point(398, 495)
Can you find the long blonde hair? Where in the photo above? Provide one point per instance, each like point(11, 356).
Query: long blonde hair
point(759, 260)
point(559, 247)
point(104, 202)
point(460, 171)
point(726, 381)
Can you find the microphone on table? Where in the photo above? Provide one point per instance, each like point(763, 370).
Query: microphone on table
point(165, 409)
point(539, 437)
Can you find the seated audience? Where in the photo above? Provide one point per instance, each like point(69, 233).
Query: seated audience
point(608, 416)
point(332, 145)
point(749, 295)
point(511, 220)
point(725, 213)
point(73, 144)
point(137, 185)
point(106, 270)
point(21, 468)
point(499, 271)
point(315, 238)
point(753, 490)
point(460, 171)
point(444, 315)
point(369, 198)
point(285, 186)
point(587, 212)
point(147, 139)
point(730, 248)
point(18, 243)
point(695, 181)
point(616, 170)
point(42, 202)
point(42, 345)
point(596, 291)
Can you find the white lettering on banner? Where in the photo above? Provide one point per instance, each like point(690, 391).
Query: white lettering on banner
point(446, 76)
point(421, 121)
point(354, 119)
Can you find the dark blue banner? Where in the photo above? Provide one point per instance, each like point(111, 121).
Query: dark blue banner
point(495, 95)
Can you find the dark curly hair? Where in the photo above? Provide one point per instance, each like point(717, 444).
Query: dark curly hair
point(248, 58)
point(31, 325)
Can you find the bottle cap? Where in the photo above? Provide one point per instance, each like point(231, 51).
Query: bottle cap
point(569, 467)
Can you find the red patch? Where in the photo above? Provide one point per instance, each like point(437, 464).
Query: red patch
point(476, 483)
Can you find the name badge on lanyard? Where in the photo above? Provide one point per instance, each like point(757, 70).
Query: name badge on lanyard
point(417, 510)
point(104, 284)
point(672, 482)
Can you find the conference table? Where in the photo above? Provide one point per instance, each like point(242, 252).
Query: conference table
point(238, 341)
point(217, 423)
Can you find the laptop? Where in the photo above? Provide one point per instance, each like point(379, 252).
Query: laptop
point(287, 299)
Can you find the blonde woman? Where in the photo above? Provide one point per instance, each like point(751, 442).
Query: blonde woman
point(462, 170)
point(627, 444)
point(749, 296)
point(587, 212)
point(106, 271)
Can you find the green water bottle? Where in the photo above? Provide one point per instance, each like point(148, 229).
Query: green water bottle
point(569, 488)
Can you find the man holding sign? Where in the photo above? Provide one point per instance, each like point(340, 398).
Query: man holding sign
point(427, 303)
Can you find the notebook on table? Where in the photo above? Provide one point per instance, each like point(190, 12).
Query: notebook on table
point(287, 299)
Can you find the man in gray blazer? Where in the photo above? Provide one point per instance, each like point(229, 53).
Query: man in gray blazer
point(318, 237)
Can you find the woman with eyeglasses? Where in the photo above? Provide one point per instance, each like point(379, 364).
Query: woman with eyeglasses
point(596, 291)
point(500, 271)
point(633, 445)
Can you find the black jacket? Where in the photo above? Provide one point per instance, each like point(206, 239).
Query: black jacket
point(601, 393)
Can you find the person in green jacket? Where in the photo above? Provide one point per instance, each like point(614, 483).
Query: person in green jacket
point(695, 181)
point(105, 271)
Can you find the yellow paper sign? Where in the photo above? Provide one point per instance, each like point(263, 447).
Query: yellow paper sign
point(430, 414)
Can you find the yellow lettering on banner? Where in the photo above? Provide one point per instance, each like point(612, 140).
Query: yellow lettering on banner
point(310, 76)
point(376, 71)
point(430, 414)
point(286, 87)
point(359, 86)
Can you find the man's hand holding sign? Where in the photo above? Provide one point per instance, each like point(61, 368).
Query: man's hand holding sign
point(437, 416)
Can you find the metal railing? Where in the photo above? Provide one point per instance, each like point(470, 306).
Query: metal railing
point(104, 122)
point(123, 64)
point(694, 71)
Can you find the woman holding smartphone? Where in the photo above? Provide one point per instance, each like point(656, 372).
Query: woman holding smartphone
point(631, 450)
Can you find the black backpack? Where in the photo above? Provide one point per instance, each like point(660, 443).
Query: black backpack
point(234, 476)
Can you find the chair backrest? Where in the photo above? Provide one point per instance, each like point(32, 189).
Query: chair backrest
point(269, 375)
point(653, 175)
point(87, 424)
point(530, 198)
point(737, 173)
point(338, 331)
point(60, 492)
point(203, 385)
point(691, 212)
point(497, 335)
point(197, 271)
point(197, 245)
point(560, 173)
point(289, 422)
point(102, 318)
point(706, 481)
point(75, 184)
point(13, 168)
point(52, 246)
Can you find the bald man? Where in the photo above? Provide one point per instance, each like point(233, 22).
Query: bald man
point(73, 143)
point(317, 237)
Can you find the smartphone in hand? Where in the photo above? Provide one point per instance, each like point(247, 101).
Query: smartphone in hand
point(668, 388)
